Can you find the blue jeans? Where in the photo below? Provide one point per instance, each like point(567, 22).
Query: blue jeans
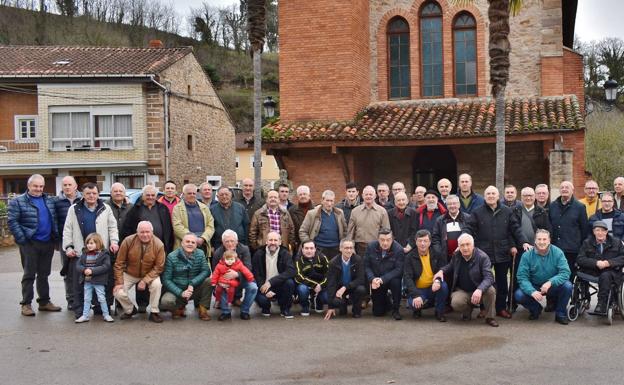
point(283, 293)
point(251, 290)
point(100, 291)
point(427, 294)
point(304, 296)
point(560, 293)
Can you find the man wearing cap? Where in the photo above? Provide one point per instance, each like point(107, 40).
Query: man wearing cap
point(544, 272)
point(430, 211)
point(602, 255)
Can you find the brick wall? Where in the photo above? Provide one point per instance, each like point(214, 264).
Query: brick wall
point(323, 59)
point(11, 104)
point(573, 82)
point(155, 130)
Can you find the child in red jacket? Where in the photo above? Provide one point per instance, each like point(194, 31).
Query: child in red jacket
point(225, 288)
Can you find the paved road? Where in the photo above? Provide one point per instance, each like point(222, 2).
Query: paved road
point(51, 349)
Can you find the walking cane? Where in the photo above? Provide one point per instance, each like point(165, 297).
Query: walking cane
point(511, 284)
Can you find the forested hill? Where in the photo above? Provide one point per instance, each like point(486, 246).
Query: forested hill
point(230, 70)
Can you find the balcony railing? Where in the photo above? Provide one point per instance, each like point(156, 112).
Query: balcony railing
point(18, 146)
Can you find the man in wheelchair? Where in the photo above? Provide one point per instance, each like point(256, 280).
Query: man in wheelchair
point(602, 256)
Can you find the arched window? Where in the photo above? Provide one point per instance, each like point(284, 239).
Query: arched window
point(398, 59)
point(465, 53)
point(431, 50)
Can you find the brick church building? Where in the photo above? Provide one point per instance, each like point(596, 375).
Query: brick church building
point(387, 90)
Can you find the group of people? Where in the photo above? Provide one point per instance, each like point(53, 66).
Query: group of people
point(449, 252)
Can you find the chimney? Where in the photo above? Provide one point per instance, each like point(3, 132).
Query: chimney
point(156, 43)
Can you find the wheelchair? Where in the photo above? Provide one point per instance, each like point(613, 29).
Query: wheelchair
point(584, 287)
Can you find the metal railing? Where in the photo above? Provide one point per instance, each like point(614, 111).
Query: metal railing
point(18, 146)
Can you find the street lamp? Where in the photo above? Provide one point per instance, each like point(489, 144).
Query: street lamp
point(610, 87)
point(269, 107)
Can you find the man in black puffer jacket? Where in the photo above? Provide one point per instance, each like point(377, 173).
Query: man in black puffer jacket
point(497, 232)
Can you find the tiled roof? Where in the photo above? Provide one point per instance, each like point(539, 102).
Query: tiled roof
point(439, 119)
point(42, 61)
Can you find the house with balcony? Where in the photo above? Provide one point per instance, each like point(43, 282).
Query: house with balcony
point(398, 90)
point(105, 115)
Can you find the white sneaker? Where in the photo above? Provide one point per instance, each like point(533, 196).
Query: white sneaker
point(108, 318)
point(305, 313)
point(82, 319)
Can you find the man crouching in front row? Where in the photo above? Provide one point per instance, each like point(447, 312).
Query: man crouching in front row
point(472, 280)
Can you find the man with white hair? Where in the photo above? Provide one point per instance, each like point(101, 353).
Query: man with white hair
point(570, 225)
point(325, 225)
point(497, 232)
point(542, 196)
point(444, 188)
point(383, 196)
point(140, 261)
point(298, 211)
point(192, 216)
point(147, 208)
point(403, 222)
point(418, 198)
point(366, 221)
point(470, 275)
point(68, 195)
point(229, 241)
point(32, 221)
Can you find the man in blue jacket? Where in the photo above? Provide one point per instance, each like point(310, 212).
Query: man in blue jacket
point(544, 272)
point(468, 199)
point(384, 270)
point(32, 220)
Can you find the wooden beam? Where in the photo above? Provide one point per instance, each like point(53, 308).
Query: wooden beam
point(279, 159)
point(345, 166)
point(419, 142)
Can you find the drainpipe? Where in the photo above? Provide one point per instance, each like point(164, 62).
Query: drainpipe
point(166, 114)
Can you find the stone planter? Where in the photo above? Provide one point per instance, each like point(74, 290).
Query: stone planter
point(6, 238)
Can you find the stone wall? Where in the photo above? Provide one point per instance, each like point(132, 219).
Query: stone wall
point(201, 131)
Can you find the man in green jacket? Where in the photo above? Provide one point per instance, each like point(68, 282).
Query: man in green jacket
point(544, 272)
point(187, 277)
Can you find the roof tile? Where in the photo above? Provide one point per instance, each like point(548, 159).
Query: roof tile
point(438, 119)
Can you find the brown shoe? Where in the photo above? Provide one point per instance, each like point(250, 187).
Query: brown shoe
point(179, 312)
point(504, 314)
point(364, 304)
point(155, 317)
point(492, 322)
point(203, 313)
point(482, 314)
point(27, 311)
point(49, 307)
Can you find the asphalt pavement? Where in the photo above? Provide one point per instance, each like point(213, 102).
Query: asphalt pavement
point(50, 349)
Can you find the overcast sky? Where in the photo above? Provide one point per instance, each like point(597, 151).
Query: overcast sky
point(595, 19)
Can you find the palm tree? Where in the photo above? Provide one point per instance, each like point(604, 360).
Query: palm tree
point(499, 12)
point(256, 29)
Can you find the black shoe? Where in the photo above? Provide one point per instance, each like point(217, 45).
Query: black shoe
point(128, 315)
point(440, 317)
point(396, 315)
point(534, 316)
point(550, 306)
point(357, 315)
point(287, 314)
point(142, 309)
point(562, 320)
point(601, 308)
point(225, 316)
point(155, 317)
point(343, 310)
point(417, 313)
point(245, 316)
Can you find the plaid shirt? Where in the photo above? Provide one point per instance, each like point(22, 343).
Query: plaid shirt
point(274, 220)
